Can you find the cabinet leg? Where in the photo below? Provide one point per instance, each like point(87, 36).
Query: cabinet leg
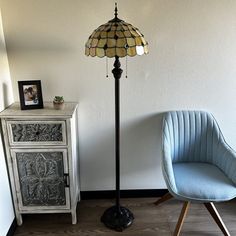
point(19, 219)
point(74, 217)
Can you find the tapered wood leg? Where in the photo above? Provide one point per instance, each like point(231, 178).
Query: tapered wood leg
point(181, 218)
point(19, 218)
point(214, 213)
point(74, 216)
point(164, 198)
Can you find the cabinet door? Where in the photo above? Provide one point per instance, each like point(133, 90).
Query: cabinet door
point(41, 178)
point(37, 133)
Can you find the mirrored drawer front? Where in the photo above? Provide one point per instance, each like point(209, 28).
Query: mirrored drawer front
point(37, 132)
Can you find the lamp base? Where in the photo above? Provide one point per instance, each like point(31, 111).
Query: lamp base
point(117, 218)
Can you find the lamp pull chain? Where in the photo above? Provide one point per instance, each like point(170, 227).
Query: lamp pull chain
point(126, 65)
point(107, 67)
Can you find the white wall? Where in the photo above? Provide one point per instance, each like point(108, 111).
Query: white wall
point(6, 97)
point(191, 65)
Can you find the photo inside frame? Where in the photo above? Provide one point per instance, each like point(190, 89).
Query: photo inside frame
point(30, 95)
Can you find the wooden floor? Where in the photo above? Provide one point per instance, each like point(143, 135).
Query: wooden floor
point(150, 220)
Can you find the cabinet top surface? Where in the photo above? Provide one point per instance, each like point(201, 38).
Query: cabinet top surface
point(14, 111)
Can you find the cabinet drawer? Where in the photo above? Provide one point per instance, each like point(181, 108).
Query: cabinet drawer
point(41, 177)
point(37, 132)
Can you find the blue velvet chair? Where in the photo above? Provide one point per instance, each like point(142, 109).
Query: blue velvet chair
point(197, 165)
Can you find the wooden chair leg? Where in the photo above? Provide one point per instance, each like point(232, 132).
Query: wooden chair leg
point(214, 213)
point(164, 198)
point(181, 218)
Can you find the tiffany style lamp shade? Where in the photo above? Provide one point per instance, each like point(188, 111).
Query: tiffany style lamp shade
point(116, 39)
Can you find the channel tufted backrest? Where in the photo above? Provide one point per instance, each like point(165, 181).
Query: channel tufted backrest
point(190, 136)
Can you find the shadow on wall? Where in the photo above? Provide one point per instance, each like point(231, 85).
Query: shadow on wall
point(4, 96)
point(141, 146)
point(43, 45)
point(140, 155)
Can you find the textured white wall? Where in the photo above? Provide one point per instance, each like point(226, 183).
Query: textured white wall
point(191, 65)
point(6, 97)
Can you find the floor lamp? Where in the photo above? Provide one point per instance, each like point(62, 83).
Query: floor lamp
point(116, 39)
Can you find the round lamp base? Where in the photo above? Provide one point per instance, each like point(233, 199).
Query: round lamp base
point(117, 218)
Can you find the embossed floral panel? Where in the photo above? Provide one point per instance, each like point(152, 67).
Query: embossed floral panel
point(36, 132)
point(41, 178)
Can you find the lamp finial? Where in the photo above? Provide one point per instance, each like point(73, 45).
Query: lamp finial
point(116, 14)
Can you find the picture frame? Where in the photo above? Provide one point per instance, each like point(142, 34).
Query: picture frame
point(30, 93)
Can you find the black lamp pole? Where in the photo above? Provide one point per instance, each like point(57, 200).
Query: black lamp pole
point(117, 72)
point(117, 217)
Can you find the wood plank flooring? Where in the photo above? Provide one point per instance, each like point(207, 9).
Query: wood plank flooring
point(150, 220)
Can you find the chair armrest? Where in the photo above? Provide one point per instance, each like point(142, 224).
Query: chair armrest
point(225, 159)
point(167, 169)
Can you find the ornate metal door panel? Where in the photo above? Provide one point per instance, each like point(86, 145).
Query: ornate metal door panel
point(37, 132)
point(41, 178)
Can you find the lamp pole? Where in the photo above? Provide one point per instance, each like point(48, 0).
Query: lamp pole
point(117, 217)
point(117, 72)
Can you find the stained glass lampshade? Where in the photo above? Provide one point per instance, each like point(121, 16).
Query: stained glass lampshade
point(116, 38)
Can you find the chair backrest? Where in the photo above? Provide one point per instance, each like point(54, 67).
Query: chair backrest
point(190, 136)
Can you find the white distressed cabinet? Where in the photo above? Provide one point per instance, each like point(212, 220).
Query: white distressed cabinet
point(41, 148)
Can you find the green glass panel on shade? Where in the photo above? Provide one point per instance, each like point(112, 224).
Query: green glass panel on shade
point(121, 43)
point(92, 52)
point(116, 38)
point(121, 52)
point(103, 34)
point(110, 52)
point(138, 41)
point(111, 34)
point(94, 43)
point(111, 43)
point(87, 51)
point(131, 42)
point(131, 51)
point(120, 34)
point(102, 42)
point(96, 34)
point(100, 52)
point(146, 49)
point(127, 34)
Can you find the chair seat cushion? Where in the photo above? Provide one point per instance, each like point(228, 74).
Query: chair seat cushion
point(202, 182)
